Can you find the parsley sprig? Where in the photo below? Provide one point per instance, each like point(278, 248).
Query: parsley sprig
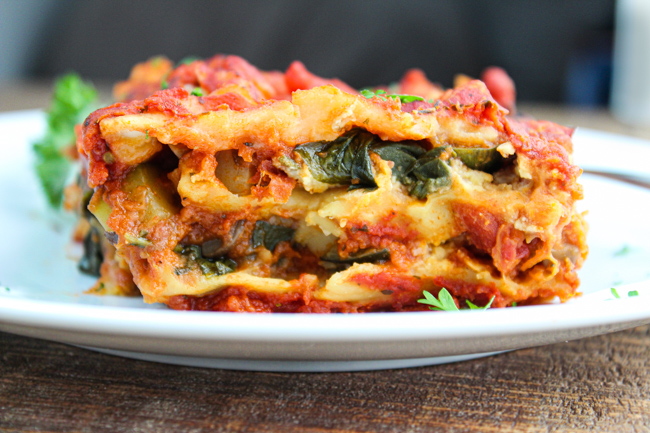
point(382, 94)
point(445, 302)
point(73, 99)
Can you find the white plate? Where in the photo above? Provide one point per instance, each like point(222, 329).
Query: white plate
point(41, 293)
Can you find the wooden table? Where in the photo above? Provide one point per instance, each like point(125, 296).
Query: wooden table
point(595, 384)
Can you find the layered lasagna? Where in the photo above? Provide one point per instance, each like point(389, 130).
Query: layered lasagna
point(217, 186)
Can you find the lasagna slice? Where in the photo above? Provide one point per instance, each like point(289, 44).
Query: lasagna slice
point(217, 186)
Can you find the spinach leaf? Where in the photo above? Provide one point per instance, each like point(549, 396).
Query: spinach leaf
point(364, 256)
point(93, 255)
point(402, 154)
point(346, 161)
point(343, 161)
point(488, 160)
point(422, 172)
point(209, 267)
point(429, 173)
point(270, 235)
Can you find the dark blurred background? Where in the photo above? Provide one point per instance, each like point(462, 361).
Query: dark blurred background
point(556, 50)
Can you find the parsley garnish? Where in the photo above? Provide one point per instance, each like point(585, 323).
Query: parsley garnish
point(476, 307)
point(197, 91)
point(382, 94)
point(445, 302)
point(73, 99)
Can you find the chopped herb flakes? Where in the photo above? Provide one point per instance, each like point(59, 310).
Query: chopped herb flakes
point(382, 94)
point(630, 294)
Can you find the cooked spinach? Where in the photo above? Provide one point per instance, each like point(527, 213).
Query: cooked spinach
point(270, 235)
point(209, 267)
point(346, 161)
point(488, 160)
point(369, 255)
point(403, 155)
point(93, 255)
point(343, 161)
point(429, 173)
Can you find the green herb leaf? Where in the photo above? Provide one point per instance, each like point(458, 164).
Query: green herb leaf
point(475, 307)
point(367, 93)
point(630, 294)
point(445, 301)
point(407, 98)
point(73, 99)
point(197, 91)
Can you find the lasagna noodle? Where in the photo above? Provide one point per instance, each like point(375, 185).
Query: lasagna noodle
point(245, 196)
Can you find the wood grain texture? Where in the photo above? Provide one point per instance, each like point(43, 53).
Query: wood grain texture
point(595, 384)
